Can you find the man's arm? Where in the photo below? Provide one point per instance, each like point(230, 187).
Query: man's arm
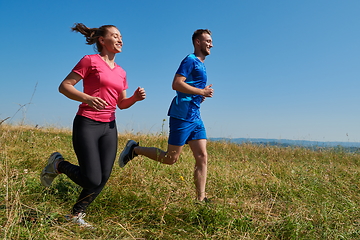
point(180, 85)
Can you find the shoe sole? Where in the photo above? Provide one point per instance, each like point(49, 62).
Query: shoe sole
point(125, 152)
point(51, 160)
point(42, 179)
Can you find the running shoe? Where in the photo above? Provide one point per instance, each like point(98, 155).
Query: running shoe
point(128, 153)
point(78, 219)
point(49, 172)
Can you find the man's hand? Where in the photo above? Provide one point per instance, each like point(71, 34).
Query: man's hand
point(208, 91)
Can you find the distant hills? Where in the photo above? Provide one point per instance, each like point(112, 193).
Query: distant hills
point(353, 146)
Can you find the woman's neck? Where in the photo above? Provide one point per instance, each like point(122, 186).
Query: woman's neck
point(108, 58)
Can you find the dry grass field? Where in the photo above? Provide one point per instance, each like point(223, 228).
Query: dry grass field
point(256, 192)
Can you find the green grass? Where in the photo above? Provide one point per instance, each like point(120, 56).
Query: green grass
point(257, 192)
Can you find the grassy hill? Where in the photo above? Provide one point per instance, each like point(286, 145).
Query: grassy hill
point(257, 192)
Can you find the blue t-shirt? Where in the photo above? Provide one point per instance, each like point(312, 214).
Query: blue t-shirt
point(187, 106)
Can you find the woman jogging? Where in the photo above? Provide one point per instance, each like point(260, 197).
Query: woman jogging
point(94, 127)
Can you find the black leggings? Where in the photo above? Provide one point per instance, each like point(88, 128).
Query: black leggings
point(95, 145)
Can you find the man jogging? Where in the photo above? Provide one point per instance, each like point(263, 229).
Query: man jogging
point(186, 125)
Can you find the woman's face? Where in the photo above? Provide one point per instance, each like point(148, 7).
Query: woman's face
point(112, 41)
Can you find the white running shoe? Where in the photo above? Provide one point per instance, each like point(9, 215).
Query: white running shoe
point(49, 172)
point(78, 219)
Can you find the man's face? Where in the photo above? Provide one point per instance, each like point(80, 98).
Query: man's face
point(205, 43)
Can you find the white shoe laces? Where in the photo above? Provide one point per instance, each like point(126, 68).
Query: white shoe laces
point(79, 220)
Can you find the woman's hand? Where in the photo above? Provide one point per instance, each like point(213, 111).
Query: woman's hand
point(140, 94)
point(125, 102)
point(96, 103)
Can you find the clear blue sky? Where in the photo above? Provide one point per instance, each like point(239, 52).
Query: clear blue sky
point(280, 69)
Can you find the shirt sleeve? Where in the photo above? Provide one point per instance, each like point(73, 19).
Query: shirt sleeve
point(83, 67)
point(186, 67)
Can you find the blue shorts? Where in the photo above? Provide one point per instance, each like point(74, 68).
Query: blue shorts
point(182, 131)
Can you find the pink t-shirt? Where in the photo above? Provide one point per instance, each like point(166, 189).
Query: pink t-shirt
point(99, 80)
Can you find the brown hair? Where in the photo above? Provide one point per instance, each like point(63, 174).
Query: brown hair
point(92, 34)
point(200, 32)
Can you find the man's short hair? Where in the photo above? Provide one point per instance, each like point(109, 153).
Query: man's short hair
point(200, 32)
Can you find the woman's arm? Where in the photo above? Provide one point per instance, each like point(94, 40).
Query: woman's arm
point(67, 88)
point(124, 102)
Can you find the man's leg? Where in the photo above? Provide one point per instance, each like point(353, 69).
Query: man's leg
point(170, 157)
point(198, 148)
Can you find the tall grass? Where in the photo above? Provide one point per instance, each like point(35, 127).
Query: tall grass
point(257, 192)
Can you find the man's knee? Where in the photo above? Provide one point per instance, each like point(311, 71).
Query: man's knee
point(201, 156)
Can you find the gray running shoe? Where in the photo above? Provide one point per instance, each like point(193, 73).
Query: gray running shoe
point(128, 153)
point(49, 172)
point(78, 219)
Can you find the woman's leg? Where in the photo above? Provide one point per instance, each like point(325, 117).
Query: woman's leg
point(86, 134)
point(95, 145)
point(107, 152)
